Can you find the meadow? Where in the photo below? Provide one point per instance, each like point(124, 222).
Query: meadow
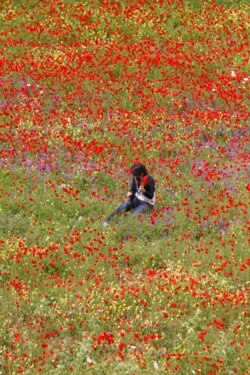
point(87, 88)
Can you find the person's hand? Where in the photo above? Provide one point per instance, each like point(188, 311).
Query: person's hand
point(141, 189)
point(129, 194)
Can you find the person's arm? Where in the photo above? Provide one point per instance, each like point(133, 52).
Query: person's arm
point(132, 191)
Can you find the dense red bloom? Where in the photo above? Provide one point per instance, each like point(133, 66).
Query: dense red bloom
point(201, 335)
point(87, 90)
point(105, 337)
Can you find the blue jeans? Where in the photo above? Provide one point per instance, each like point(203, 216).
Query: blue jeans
point(135, 204)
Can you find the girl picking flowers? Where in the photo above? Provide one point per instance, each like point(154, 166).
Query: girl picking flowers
point(141, 197)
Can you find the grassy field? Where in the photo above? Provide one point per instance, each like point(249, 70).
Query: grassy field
point(87, 88)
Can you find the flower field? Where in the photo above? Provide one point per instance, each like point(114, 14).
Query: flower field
point(87, 88)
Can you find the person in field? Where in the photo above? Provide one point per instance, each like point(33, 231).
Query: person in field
point(141, 197)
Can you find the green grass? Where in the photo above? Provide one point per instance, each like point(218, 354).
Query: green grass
point(79, 281)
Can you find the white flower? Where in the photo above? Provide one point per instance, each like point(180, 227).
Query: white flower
point(156, 366)
point(233, 74)
point(89, 361)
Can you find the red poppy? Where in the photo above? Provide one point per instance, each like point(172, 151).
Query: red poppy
point(201, 335)
point(144, 181)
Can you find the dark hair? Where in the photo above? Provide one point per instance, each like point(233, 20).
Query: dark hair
point(138, 169)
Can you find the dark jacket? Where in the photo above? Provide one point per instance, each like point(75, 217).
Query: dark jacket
point(149, 188)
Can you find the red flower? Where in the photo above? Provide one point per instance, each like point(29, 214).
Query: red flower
point(201, 335)
point(105, 337)
point(144, 181)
